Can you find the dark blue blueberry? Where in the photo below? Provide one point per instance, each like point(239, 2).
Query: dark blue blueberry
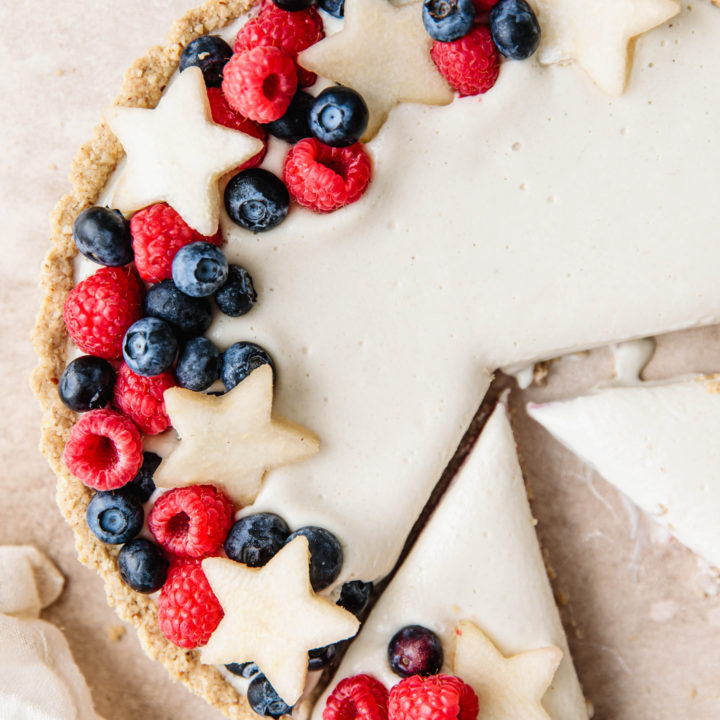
point(239, 360)
point(254, 539)
point(115, 517)
point(237, 296)
point(415, 650)
point(514, 29)
point(336, 8)
point(339, 116)
point(243, 670)
point(264, 700)
point(142, 485)
point(257, 200)
point(188, 316)
point(210, 53)
point(149, 347)
point(198, 365)
point(448, 20)
point(199, 269)
point(292, 5)
point(294, 125)
point(143, 565)
point(326, 555)
point(355, 596)
point(87, 383)
point(321, 657)
point(103, 236)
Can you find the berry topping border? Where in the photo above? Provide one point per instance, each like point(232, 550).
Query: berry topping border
point(143, 86)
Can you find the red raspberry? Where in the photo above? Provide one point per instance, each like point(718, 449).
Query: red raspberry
point(260, 83)
point(470, 64)
point(357, 698)
point(483, 6)
point(223, 114)
point(292, 32)
point(188, 610)
point(440, 697)
point(158, 232)
point(104, 450)
point(100, 309)
point(191, 521)
point(325, 178)
point(141, 399)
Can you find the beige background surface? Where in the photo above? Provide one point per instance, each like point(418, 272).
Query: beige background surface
point(643, 619)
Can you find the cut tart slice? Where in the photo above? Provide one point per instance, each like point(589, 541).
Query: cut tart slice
point(477, 561)
point(657, 445)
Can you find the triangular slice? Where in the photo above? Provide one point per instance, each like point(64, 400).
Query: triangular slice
point(658, 444)
point(477, 560)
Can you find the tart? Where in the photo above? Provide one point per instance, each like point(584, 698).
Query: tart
point(388, 292)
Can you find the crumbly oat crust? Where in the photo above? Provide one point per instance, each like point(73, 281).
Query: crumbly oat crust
point(143, 85)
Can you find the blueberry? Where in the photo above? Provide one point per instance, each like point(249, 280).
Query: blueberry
point(292, 5)
point(355, 596)
point(257, 200)
point(142, 485)
point(264, 700)
point(149, 347)
point(515, 29)
point(254, 539)
point(326, 555)
point(339, 116)
point(103, 236)
point(210, 53)
point(237, 296)
point(188, 316)
point(239, 360)
point(198, 365)
point(244, 670)
point(87, 383)
point(199, 269)
point(415, 650)
point(336, 8)
point(143, 565)
point(321, 657)
point(294, 125)
point(115, 517)
point(448, 20)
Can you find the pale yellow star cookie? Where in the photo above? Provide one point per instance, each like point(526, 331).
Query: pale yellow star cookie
point(598, 34)
point(176, 153)
point(507, 688)
point(231, 440)
point(273, 617)
point(382, 52)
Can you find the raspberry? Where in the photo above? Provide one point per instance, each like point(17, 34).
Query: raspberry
point(100, 309)
point(223, 114)
point(158, 232)
point(470, 64)
point(191, 521)
point(260, 83)
point(188, 611)
point(357, 698)
point(292, 32)
point(141, 399)
point(325, 178)
point(483, 6)
point(104, 450)
point(440, 697)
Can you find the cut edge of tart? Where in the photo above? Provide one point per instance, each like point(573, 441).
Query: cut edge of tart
point(143, 85)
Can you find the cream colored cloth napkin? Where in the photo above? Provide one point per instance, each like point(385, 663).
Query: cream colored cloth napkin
point(38, 678)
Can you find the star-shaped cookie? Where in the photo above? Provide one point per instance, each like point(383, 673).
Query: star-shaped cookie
point(176, 153)
point(382, 52)
point(231, 440)
point(507, 688)
point(273, 617)
point(598, 34)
